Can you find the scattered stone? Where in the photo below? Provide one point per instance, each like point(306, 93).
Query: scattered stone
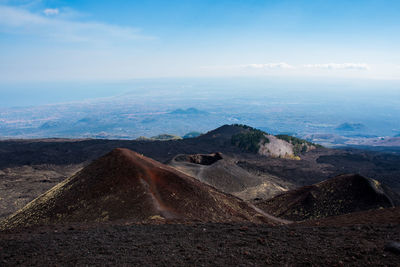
point(156, 217)
point(261, 241)
point(393, 247)
point(244, 228)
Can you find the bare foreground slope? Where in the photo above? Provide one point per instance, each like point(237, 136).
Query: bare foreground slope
point(124, 185)
point(200, 245)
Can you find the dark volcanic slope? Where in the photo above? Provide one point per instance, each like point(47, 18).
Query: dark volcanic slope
point(222, 172)
point(339, 195)
point(128, 186)
point(369, 217)
point(64, 151)
point(323, 163)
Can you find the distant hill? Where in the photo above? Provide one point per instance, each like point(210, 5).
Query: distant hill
point(160, 137)
point(351, 127)
point(143, 138)
point(87, 120)
point(283, 146)
point(166, 137)
point(340, 195)
point(124, 185)
point(50, 125)
point(189, 111)
point(391, 142)
point(191, 135)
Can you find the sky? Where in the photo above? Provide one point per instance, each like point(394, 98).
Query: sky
point(84, 41)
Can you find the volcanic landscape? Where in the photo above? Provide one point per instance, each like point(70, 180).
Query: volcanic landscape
point(232, 196)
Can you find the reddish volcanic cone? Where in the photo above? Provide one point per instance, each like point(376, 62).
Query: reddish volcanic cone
point(124, 185)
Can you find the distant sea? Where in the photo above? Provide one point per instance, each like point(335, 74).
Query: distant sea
point(22, 95)
point(367, 92)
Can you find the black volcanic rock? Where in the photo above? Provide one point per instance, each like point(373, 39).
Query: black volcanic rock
point(393, 247)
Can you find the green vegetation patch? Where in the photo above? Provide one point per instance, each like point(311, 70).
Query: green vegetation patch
point(249, 140)
point(166, 137)
point(161, 137)
point(246, 127)
point(299, 145)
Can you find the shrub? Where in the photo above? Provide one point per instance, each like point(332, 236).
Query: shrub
point(299, 145)
point(249, 140)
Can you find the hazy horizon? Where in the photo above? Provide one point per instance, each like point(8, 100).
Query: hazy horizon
point(45, 93)
point(118, 69)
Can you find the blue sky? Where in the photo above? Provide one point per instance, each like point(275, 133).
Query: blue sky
point(50, 41)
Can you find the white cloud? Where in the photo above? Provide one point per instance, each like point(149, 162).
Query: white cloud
point(281, 65)
point(339, 66)
point(51, 11)
point(252, 66)
point(21, 21)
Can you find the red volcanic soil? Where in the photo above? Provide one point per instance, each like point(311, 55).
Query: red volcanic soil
point(124, 185)
point(340, 195)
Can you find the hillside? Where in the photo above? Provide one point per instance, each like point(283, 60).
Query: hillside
point(222, 172)
point(340, 195)
point(124, 185)
point(280, 146)
point(368, 217)
point(30, 167)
